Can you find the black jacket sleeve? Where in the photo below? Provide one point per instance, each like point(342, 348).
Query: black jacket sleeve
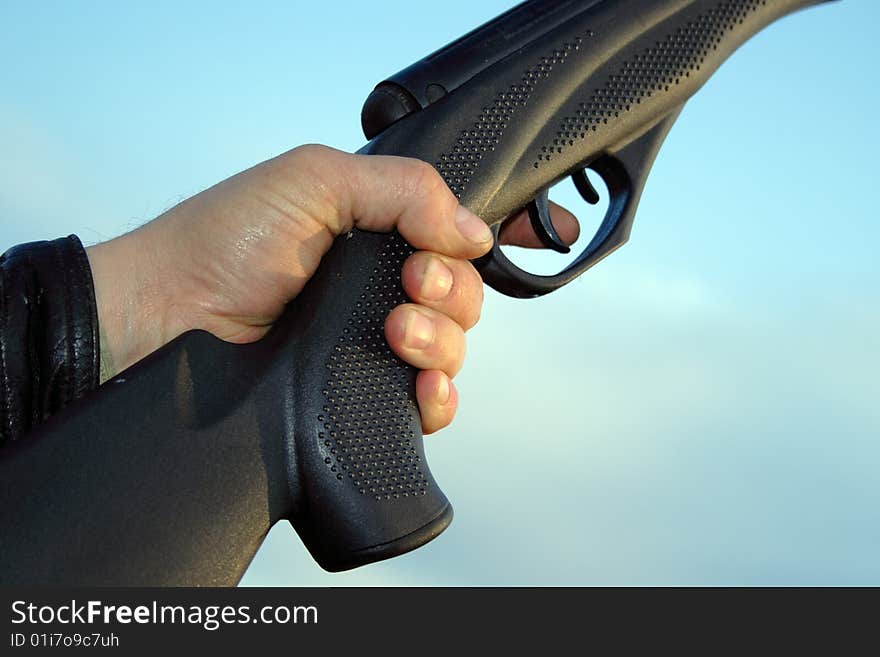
point(49, 346)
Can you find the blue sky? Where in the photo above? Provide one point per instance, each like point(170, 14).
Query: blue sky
point(701, 408)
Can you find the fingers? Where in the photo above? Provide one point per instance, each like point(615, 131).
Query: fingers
point(450, 291)
point(377, 193)
point(425, 338)
point(518, 231)
point(447, 285)
point(437, 398)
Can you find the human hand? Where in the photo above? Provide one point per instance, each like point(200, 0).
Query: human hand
point(228, 260)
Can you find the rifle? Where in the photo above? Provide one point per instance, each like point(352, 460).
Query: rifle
point(317, 422)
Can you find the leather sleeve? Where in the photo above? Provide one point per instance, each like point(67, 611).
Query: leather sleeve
point(49, 345)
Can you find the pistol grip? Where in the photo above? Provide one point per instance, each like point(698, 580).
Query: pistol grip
point(361, 489)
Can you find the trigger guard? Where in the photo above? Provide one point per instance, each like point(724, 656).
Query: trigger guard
point(500, 273)
point(624, 173)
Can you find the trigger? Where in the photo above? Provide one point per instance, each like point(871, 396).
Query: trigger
point(539, 214)
point(585, 187)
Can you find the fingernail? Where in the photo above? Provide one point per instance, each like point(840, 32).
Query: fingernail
point(436, 280)
point(471, 226)
point(419, 331)
point(443, 390)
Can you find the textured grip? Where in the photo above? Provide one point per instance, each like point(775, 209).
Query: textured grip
point(362, 490)
point(368, 410)
point(662, 59)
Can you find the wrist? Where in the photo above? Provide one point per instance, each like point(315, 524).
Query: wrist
point(132, 304)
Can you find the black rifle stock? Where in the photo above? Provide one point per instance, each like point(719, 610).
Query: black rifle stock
point(173, 471)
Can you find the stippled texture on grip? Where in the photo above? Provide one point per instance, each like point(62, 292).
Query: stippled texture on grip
point(458, 166)
point(367, 438)
point(655, 70)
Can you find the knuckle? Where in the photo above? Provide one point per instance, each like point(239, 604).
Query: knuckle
point(474, 318)
point(471, 296)
point(463, 351)
point(456, 355)
point(441, 423)
point(308, 159)
point(312, 151)
point(424, 176)
point(426, 183)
